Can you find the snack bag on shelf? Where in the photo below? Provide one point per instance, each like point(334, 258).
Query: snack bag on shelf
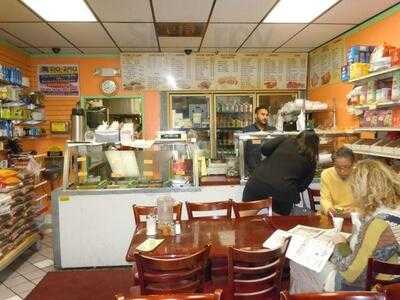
point(380, 57)
point(371, 91)
point(396, 86)
point(394, 54)
point(396, 118)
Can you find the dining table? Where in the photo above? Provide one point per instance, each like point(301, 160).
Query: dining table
point(247, 232)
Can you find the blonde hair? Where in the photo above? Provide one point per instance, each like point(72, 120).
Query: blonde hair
point(374, 184)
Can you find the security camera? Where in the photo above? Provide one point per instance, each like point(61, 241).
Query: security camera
point(188, 51)
point(56, 50)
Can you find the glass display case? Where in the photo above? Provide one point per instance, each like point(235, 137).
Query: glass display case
point(191, 112)
point(166, 164)
point(233, 112)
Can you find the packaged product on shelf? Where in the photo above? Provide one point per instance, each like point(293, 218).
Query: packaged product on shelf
point(345, 75)
point(358, 70)
point(396, 86)
point(383, 94)
point(366, 119)
point(380, 57)
point(385, 118)
point(359, 54)
point(371, 91)
point(394, 54)
point(396, 118)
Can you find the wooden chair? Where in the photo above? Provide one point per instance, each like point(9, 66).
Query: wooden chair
point(391, 291)
point(210, 207)
point(140, 211)
point(252, 208)
point(312, 194)
point(255, 274)
point(172, 275)
point(376, 267)
point(361, 295)
point(209, 296)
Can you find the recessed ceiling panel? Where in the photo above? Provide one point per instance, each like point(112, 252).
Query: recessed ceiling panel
point(182, 10)
point(178, 49)
point(133, 34)
point(233, 10)
point(122, 10)
point(256, 50)
point(37, 34)
point(226, 35)
point(218, 50)
point(12, 40)
point(316, 34)
point(178, 42)
point(139, 49)
point(100, 50)
point(294, 50)
point(85, 34)
point(272, 35)
point(355, 11)
point(14, 11)
point(62, 51)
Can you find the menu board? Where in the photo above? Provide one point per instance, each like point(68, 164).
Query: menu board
point(203, 71)
point(58, 80)
point(249, 75)
point(326, 63)
point(226, 72)
point(208, 71)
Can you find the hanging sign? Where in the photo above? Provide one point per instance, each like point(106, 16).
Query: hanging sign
point(58, 80)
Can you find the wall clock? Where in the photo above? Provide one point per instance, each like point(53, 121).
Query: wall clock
point(109, 87)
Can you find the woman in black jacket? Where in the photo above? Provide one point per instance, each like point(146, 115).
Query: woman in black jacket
point(287, 171)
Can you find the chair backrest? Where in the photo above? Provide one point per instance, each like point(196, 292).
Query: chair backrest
point(376, 267)
point(209, 207)
point(391, 291)
point(255, 274)
point(171, 275)
point(252, 208)
point(312, 194)
point(359, 295)
point(142, 211)
point(209, 296)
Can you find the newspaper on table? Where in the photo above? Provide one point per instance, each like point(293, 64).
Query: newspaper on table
point(310, 247)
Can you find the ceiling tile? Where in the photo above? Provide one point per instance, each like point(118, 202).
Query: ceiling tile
point(219, 50)
point(133, 34)
point(122, 10)
point(355, 12)
point(14, 11)
point(140, 49)
point(316, 34)
point(232, 11)
point(272, 35)
point(182, 10)
point(294, 50)
point(84, 34)
point(62, 51)
point(256, 50)
point(100, 50)
point(178, 50)
point(12, 40)
point(37, 34)
point(178, 42)
point(226, 35)
point(32, 50)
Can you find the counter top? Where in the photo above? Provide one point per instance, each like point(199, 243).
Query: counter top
point(219, 180)
point(131, 190)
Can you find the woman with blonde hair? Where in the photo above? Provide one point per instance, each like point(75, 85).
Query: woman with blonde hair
point(377, 189)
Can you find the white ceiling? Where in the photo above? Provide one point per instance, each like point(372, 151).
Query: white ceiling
point(129, 26)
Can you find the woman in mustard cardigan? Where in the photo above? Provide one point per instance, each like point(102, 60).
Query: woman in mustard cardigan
point(377, 189)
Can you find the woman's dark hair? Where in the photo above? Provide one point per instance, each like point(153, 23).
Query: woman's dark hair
point(343, 152)
point(308, 145)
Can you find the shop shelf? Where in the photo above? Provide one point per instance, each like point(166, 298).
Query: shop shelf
point(377, 129)
point(40, 184)
point(377, 105)
point(17, 251)
point(387, 73)
point(372, 153)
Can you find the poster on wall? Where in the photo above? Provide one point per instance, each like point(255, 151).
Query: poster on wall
point(203, 71)
point(272, 72)
point(249, 75)
point(226, 72)
point(296, 71)
point(134, 71)
point(58, 80)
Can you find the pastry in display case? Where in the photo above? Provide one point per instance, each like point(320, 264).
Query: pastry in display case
point(166, 164)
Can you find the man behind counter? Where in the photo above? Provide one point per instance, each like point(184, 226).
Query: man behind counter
point(253, 148)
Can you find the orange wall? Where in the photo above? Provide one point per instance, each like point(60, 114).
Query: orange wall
point(386, 30)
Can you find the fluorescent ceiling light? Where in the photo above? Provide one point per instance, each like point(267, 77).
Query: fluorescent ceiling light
point(297, 11)
point(62, 10)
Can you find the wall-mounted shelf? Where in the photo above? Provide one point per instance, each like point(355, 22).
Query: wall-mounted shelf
point(377, 129)
point(376, 105)
point(387, 73)
point(371, 153)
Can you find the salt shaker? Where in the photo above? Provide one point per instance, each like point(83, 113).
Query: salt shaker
point(177, 228)
point(151, 225)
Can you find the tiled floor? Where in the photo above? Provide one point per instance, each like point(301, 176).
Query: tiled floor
point(26, 272)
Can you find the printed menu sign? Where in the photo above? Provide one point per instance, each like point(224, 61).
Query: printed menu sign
point(208, 71)
point(203, 70)
point(58, 80)
point(226, 72)
point(249, 71)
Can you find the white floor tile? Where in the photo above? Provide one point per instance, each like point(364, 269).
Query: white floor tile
point(45, 263)
point(15, 298)
point(36, 258)
point(10, 283)
point(49, 269)
point(37, 274)
point(5, 293)
point(23, 295)
point(36, 280)
point(26, 268)
point(8, 273)
point(24, 287)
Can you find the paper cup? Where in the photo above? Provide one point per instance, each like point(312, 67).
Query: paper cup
point(338, 223)
point(355, 217)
